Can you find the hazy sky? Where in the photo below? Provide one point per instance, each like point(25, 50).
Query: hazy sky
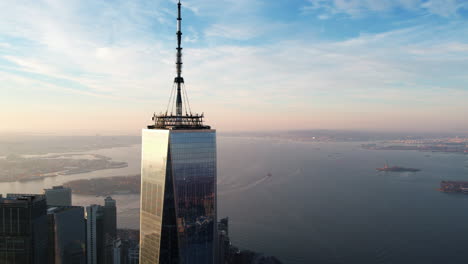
point(87, 66)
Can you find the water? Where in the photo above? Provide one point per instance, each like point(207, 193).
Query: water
point(323, 203)
point(126, 203)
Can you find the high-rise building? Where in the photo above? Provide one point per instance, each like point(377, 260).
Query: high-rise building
point(58, 196)
point(67, 237)
point(178, 182)
point(94, 234)
point(109, 228)
point(127, 246)
point(133, 255)
point(23, 229)
point(117, 252)
point(224, 243)
point(101, 231)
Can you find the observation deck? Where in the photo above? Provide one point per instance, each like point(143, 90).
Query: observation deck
point(176, 122)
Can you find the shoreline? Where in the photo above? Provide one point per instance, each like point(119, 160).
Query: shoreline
point(115, 185)
point(60, 174)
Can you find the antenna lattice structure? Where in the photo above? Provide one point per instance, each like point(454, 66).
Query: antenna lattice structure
point(179, 94)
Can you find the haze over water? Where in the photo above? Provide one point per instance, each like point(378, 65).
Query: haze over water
point(323, 203)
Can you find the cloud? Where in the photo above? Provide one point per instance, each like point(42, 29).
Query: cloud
point(223, 8)
point(122, 55)
point(445, 8)
point(100, 55)
point(360, 8)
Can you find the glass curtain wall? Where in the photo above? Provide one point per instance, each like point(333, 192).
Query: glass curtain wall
point(178, 196)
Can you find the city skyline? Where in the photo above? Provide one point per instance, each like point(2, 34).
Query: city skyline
point(86, 67)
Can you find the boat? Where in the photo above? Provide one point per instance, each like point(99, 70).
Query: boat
point(397, 169)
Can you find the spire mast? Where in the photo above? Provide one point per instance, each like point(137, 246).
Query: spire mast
point(179, 80)
point(178, 121)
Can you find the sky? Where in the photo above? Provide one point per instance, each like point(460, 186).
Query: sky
point(104, 67)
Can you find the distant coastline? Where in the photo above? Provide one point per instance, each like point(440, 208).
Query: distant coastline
point(30, 168)
point(106, 186)
point(441, 146)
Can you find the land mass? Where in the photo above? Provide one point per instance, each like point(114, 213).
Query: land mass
point(26, 168)
point(454, 186)
point(21, 144)
point(106, 186)
point(450, 145)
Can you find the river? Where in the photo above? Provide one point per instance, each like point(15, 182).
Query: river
point(319, 202)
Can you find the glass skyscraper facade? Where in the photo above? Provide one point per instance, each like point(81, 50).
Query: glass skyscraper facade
point(178, 182)
point(67, 235)
point(178, 196)
point(58, 196)
point(23, 229)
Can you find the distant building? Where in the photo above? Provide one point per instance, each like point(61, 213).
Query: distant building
point(58, 196)
point(110, 217)
point(224, 243)
point(128, 246)
point(133, 255)
point(67, 237)
point(23, 229)
point(101, 232)
point(94, 234)
point(109, 228)
point(125, 252)
point(229, 254)
point(117, 252)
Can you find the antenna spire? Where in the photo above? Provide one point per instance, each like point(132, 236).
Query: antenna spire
point(179, 93)
point(179, 80)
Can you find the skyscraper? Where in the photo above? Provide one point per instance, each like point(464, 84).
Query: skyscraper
point(58, 196)
point(67, 235)
point(23, 229)
point(133, 255)
point(94, 234)
point(101, 231)
point(178, 182)
point(109, 228)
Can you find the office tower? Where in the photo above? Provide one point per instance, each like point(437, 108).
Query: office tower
point(127, 245)
point(23, 229)
point(67, 237)
point(224, 243)
point(58, 196)
point(110, 218)
point(133, 255)
point(94, 234)
point(109, 228)
point(117, 252)
point(178, 182)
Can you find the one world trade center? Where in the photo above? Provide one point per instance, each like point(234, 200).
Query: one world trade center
point(178, 181)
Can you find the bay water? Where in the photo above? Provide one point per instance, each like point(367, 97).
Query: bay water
point(319, 202)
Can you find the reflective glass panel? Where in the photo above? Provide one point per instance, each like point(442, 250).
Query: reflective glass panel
point(193, 157)
point(153, 176)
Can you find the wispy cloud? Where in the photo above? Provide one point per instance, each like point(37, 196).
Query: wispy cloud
point(360, 8)
point(121, 54)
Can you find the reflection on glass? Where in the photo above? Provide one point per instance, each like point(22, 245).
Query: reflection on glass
point(153, 174)
point(178, 196)
point(194, 171)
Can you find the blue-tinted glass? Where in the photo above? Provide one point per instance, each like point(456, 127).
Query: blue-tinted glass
point(193, 156)
point(178, 197)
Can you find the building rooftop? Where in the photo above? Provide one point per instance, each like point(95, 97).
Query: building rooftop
point(21, 198)
point(56, 188)
point(175, 122)
point(58, 209)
